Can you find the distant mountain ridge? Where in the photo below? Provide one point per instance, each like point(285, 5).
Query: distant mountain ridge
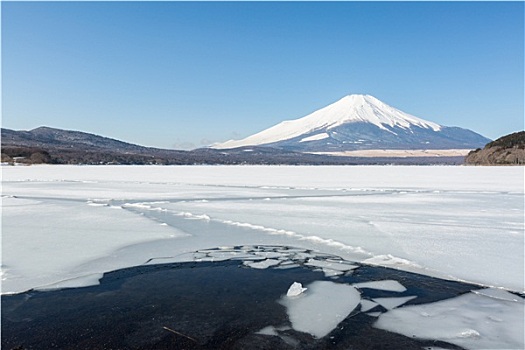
point(359, 122)
point(45, 136)
point(77, 147)
point(57, 146)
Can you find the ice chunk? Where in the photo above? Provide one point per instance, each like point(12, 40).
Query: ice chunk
point(392, 303)
point(389, 285)
point(332, 273)
point(238, 255)
point(291, 250)
point(295, 289)
point(269, 330)
point(287, 266)
point(271, 255)
point(331, 265)
point(320, 310)
point(262, 264)
point(303, 256)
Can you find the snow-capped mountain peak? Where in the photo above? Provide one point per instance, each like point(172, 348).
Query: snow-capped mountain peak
point(368, 109)
point(364, 113)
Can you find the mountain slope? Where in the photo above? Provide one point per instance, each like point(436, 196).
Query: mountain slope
point(50, 145)
point(46, 136)
point(359, 122)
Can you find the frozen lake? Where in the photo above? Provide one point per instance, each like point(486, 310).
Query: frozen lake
point(62, 222)
point(64, 226)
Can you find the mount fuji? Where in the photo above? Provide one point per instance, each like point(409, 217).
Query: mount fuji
point(356, 123)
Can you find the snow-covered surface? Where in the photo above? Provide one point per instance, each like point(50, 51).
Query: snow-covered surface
point(472, 321)
point(69, 224)
point(349, 109)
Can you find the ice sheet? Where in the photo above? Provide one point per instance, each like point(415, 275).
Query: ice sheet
point(462, 223)
point(449, 234)
point(274, 177)
point(43, 242)
point(472, 321)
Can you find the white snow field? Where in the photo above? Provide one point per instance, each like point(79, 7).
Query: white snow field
point(64, 226)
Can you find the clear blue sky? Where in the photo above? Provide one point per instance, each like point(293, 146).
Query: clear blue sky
point(185, 74)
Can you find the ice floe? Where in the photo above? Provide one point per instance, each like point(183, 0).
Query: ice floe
point(331, 268)
point(390, 285)
point(338, 266)
point(473, 321)
point(315, 312)
point(263, 257)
